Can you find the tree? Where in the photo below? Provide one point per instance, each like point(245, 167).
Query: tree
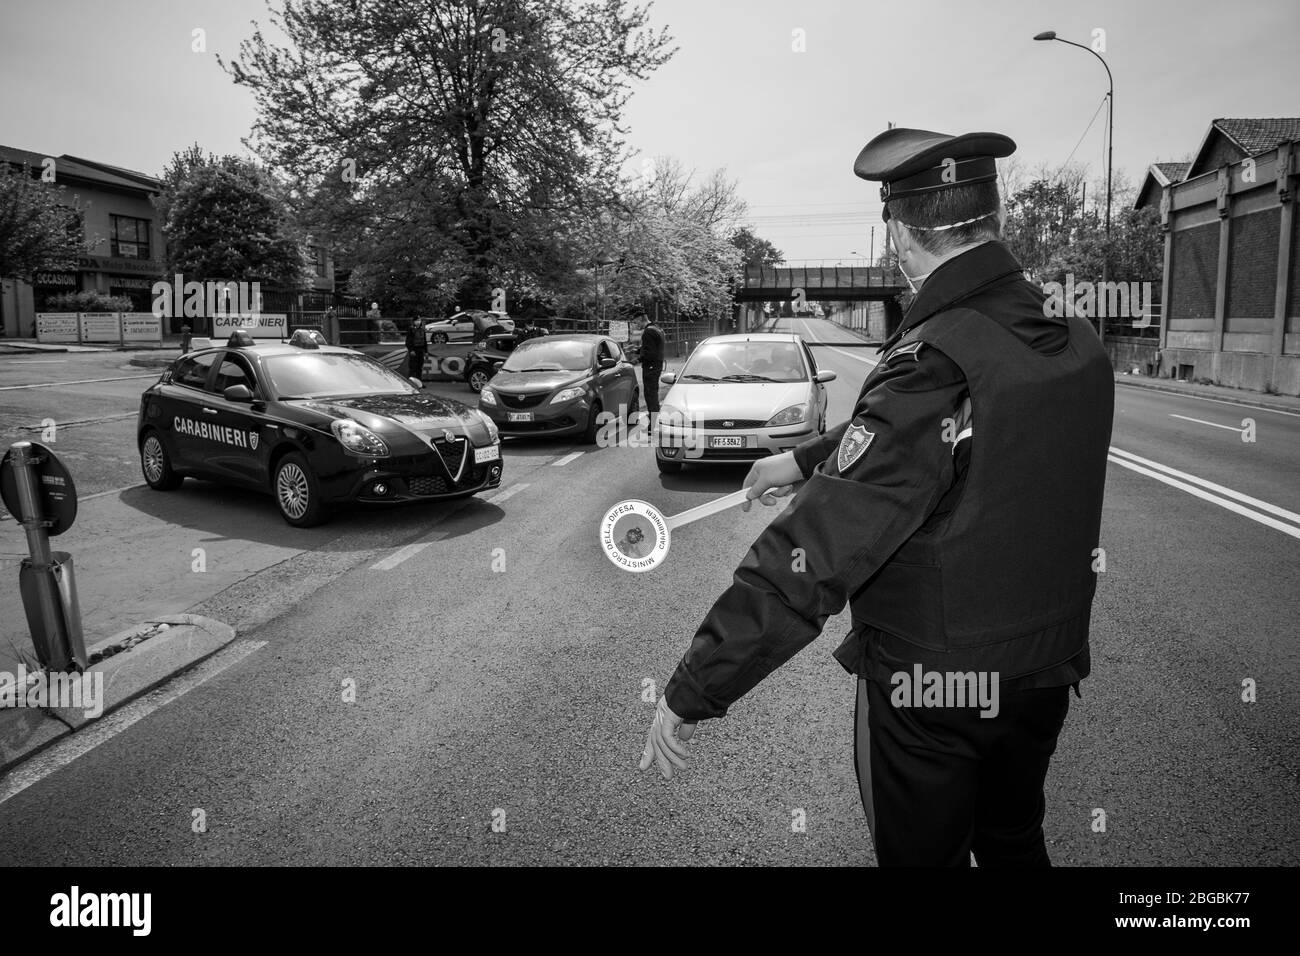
point(755, 251)
point(671, 241)
point(225, 219)
point(459, 143)
point(39, 227)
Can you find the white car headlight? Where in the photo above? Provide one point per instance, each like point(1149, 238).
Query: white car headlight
point(358, 439)
point(485, 396)
point(493, 434)
point(788, 416)
point(568, 394)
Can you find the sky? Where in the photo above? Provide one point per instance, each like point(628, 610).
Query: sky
point(117, 81)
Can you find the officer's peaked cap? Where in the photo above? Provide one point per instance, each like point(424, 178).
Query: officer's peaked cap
point(912, 161)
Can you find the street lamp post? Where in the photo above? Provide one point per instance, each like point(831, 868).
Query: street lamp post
point(1110, 155)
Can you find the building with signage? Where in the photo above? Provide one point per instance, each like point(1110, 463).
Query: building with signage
point(125, 250)
point(123, 236)
point(1232, 268)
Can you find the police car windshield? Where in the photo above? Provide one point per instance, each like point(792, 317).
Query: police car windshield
point(745, 361)
point(331, 374)
point(539, 355)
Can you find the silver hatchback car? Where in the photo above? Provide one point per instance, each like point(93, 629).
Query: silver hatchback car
point(740, 398)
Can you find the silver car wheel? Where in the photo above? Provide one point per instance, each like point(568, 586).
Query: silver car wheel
point(154, 458)
point(292, 490)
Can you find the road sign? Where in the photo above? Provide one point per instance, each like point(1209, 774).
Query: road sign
point(58, 493)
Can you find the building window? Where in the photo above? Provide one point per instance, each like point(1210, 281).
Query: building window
point(130, 237)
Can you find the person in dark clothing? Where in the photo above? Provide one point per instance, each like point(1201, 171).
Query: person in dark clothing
point(652, 363)
point(417, 347)
point(966, 550)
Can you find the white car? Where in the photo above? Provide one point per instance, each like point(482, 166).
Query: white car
point(473, 325)
point(740, 398)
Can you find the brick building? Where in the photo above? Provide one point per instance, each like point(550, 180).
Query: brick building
point(122, 234)
point(1231, 286)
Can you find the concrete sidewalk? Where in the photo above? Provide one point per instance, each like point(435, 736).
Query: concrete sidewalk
point(1280, 403)
point(139, 555)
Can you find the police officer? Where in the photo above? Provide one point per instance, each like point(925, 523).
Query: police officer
point(417, 347)
point(964, 542)
point(652, 363)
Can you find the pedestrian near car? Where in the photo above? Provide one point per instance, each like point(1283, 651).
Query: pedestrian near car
point(966, 549)
point(652, 363)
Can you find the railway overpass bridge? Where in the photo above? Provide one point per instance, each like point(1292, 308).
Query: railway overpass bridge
point(820, 282)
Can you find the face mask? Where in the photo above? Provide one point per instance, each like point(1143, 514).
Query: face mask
point(913, 282)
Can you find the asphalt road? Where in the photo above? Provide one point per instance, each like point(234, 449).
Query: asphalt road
point(501, 669)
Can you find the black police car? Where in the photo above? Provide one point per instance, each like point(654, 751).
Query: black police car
point(314, 425)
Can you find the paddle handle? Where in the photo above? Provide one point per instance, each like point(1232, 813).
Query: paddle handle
point(711, 508)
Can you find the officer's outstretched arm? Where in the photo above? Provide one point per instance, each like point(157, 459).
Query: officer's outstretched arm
point(890, 469)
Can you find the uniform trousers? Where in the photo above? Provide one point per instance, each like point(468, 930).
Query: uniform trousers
point(941, 783)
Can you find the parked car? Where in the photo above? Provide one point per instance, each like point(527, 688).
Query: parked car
point(739, 398)
point(559, 385)
point(484, 361)
point(472, 325)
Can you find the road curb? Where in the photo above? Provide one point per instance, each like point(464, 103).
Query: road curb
point(1239, 399)
point(152, 361)
point(133, 662)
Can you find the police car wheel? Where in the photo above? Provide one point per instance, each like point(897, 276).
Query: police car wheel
point(296, 493)
point(478, 377)
point(439, 338)
point(593, 427)
point(156, 465)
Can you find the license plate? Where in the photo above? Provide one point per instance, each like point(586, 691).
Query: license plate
point(726, 441)
point(490, 453)
point(519, 416)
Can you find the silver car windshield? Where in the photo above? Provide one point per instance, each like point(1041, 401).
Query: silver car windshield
point(745, 361)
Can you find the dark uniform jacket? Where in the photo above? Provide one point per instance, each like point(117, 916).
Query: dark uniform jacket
point(652, 345)
point(958, 510)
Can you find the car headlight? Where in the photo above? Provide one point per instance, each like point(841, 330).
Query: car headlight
point(671, 416)
point(493, 434)
point(358, 439)
point(568, 394)
point(485, 396)
point(788, 416)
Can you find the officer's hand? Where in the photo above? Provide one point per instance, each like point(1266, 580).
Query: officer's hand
point(772, 478)
point(665, 745)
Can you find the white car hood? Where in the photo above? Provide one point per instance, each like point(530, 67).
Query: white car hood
point(753, 400)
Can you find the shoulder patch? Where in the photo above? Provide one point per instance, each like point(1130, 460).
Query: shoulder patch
point(904, 351)
point(853, 446)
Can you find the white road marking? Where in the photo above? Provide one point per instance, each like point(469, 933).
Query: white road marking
point(400, 555)
point(93, 734)
point(84, 381)
point(829, 347)
point(1218, 401)
point(574, 456)
point(1231, 428)
point(1190, 483)
point(507, 493)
